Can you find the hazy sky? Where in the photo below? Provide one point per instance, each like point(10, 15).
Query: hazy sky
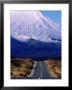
point(54, 15)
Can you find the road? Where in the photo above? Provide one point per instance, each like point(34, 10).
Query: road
point(40, 72)
point(44, 71)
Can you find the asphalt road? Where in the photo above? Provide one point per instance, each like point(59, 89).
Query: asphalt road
point(40, 72)
point(44, 71)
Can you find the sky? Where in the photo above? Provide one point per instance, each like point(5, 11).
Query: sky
point(54, 15)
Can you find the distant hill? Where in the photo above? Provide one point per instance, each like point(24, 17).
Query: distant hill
point(35, 48)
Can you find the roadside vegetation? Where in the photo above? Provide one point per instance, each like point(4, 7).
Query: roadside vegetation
point(21, 67)
point(55, 68)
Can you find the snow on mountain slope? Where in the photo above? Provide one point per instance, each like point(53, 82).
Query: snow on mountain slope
point(33, 24)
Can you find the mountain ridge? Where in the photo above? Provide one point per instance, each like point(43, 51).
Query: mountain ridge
point(36, 48)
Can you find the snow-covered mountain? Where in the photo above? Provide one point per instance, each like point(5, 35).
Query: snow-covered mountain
point(34, 35)
point(33, 24)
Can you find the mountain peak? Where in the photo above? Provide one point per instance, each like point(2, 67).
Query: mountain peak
point(33, 24)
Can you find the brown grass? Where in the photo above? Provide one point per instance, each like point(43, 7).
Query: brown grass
point(22, 67)
point(55, 68)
